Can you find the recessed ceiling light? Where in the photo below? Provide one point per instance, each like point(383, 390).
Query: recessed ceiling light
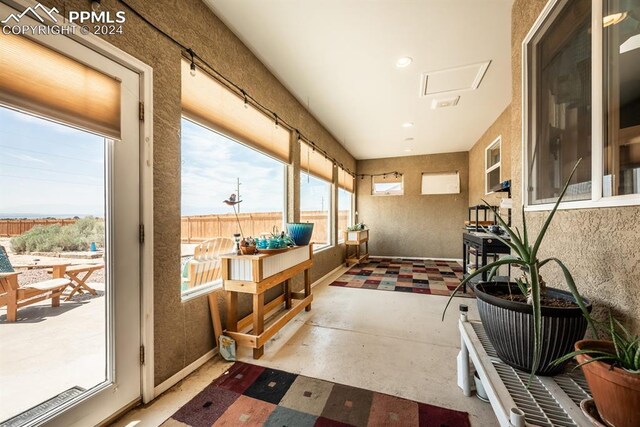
point(613, 19)
point(407, 150)
point(404, 62)
point(407, 124)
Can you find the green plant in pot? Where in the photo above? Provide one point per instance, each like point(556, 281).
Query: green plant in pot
point(529, 324)
point(612, 369)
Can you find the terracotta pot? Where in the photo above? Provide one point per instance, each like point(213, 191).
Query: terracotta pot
point(615, 391)
point(248, 250)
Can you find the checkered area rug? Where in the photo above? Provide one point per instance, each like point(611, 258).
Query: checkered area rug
point(250, 395)
point(419, 276)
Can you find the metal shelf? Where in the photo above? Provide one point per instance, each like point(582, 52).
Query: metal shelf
point(549, 401)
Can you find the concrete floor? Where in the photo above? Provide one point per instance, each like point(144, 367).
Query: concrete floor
point(390, 342)
point(51, 349)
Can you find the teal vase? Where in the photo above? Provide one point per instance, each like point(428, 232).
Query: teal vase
point(300, 232)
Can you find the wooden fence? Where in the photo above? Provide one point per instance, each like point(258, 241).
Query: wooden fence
point(202, 227)
point(16, 227)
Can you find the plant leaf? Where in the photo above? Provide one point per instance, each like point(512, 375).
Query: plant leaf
point(501, 261)
point(503, 240)
point(543, 231)
point(525, 233)
point(573, 354)
point(574, 291)
point(537, 322)
point(516, 243)
point(595, 359)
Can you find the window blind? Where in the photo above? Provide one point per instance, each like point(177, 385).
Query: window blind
point(39, 80)
point(315, 163)
point(208, 102)
point(345, 180)
point(440, 183)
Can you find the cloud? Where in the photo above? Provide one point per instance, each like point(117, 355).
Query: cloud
point(27, 158)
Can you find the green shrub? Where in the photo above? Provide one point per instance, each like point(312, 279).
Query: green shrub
point(61, 238)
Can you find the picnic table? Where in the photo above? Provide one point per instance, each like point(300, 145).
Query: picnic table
point(78, 274)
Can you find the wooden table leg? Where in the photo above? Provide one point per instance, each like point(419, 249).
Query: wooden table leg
point(232, 311)
point(287, 293)
point(258, 321)
point(307, 287)
point(215, 317)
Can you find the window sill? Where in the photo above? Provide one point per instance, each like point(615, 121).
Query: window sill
point(201, 291)
point(605, 202)
point(322, 248)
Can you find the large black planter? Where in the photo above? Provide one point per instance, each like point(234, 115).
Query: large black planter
point(509, 326)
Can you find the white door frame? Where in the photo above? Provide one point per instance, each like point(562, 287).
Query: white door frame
point(146, 187)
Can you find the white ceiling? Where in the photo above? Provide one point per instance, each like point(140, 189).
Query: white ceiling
point(339, 56)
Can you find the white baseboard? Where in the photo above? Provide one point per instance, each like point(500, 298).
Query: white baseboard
point(417, 258)
point(329, 274)
point(183, 373)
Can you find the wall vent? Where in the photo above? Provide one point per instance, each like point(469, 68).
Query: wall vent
point(467, 77)
point(452, 101)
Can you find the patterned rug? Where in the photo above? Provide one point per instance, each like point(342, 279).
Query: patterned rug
point(420, 276)
point(250, 395)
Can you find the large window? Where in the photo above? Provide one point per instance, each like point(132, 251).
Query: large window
point(583, 102)
point(315, 207)
point(621, 46)
point(345, 211)
point(214, 167)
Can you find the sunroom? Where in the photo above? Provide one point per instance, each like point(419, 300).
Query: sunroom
point(320, 213)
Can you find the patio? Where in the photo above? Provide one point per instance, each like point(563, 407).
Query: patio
point(55, 348)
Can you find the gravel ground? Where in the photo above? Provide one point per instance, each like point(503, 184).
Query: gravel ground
point(28, 277)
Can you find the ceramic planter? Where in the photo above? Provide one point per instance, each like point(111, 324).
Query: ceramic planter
point(509, 326)
point(615, 391)
point(300, 232)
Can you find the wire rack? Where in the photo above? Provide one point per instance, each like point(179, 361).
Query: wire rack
point(549, 401)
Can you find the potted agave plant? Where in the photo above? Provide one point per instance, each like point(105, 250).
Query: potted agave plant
point(529, 324)
point(612, 369)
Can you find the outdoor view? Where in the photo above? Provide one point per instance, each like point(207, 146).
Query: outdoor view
point(52, 232)
point(215, 167)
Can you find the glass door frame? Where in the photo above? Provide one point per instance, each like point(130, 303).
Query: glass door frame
point(145, 97)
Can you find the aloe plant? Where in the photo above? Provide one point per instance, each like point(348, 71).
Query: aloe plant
point(525, 256)
point(626, 354)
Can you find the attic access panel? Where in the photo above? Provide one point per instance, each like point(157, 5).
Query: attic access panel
point(467, 77)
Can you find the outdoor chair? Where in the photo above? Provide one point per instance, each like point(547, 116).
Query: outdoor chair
point(14, 297)
point(206, 267)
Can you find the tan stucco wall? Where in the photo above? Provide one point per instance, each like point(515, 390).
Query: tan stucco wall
point(414, 225)
point(599, 246)
point(500, 128)
point(183, 331)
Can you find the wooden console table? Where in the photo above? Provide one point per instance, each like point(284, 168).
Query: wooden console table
point(255, 274)
point(356, 238)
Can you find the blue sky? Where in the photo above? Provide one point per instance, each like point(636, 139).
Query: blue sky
point(211, 163)
point(49, 169)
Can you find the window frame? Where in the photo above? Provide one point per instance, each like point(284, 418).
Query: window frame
point(598, 200)
point(215, 285)
point(488, 169)
point(330, 216)
point(387, 193)
point(351, 212)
